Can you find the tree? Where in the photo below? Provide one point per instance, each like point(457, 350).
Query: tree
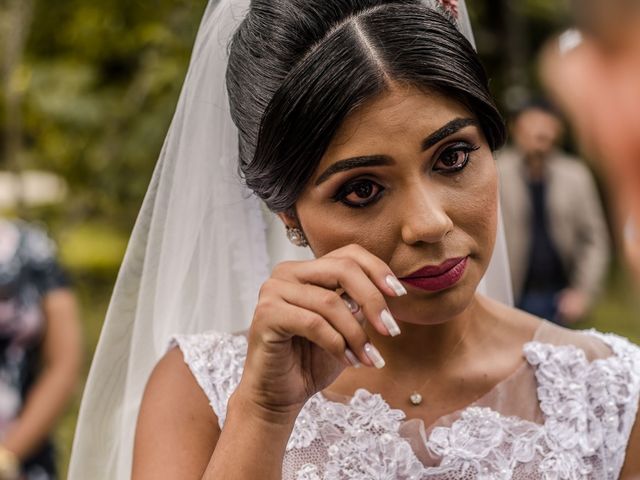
point(100, 81)
point(15, 20)
point(509, 34)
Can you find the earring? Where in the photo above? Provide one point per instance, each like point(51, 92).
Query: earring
point(296, 236)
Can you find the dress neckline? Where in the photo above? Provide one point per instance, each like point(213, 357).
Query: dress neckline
point(448, 418)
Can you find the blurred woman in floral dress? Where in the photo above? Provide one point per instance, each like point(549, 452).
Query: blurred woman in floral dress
point(40, 350)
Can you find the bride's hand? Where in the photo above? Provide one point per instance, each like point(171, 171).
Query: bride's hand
point(304, 332)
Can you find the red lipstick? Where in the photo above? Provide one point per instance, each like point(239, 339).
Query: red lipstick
point(440, 277)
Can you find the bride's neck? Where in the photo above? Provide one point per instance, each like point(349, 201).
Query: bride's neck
point(432, 346)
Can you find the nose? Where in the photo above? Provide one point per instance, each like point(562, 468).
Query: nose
point(424, 219)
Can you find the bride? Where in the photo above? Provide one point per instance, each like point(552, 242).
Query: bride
point(368, 128)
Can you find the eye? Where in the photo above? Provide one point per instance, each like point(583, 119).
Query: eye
point(454, 158)
point(359, 193)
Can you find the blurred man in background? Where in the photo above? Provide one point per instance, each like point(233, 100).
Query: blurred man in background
point(556, 232)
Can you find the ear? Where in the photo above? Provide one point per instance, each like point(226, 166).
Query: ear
point(289, 219)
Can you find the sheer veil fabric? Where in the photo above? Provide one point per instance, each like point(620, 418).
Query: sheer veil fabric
point(201, 247)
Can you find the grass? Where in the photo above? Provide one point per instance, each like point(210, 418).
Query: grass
point(619, 309)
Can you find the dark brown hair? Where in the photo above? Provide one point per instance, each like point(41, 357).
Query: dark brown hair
point(297, 68)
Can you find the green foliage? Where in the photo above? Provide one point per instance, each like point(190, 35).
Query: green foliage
point(617, 310)
point(92, 248)
point(102, 80)
point(509, 40)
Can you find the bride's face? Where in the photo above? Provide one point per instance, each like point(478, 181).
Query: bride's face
point(411, 178)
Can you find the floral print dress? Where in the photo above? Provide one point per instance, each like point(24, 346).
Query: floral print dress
point(28, 271)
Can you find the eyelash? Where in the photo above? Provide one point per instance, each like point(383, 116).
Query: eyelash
point(350, 187)
point(463, 147)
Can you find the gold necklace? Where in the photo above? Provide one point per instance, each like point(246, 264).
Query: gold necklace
point(415, 398)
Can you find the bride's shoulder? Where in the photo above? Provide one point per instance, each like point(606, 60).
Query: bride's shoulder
point(604, 366)
point(176, 419)
point(599, 374)
point(557, 341)
point(201, 348)
point(591, 344)
point(215, 360)
point(201, 370)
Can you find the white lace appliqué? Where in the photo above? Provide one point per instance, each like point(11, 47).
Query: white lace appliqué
point(216, 361)
point(362, 439)
point(589, 409)
point(483, 444)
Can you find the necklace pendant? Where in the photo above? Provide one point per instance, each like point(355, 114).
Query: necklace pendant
point(415, 398)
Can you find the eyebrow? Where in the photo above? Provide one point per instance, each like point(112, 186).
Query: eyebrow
point(380, 160)
point(351, 163)
point(449, 129)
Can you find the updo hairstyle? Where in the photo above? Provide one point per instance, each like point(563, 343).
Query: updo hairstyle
point(297, 68)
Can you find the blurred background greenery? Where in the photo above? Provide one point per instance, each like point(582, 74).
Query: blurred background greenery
point(89, 89)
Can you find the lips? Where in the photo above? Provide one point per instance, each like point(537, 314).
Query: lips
point(440, 277)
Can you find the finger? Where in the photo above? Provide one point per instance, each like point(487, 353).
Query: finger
point(332, 307)
point(377, 270)
point(363, 292)
point(347, 274)
point(278, 321)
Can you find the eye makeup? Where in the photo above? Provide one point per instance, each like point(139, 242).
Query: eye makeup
point(362, 191)
point(359, 193)
point(454, 158)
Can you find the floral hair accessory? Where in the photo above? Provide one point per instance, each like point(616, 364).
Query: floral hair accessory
point(451, 6)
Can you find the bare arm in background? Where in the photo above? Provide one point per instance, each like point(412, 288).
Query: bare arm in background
point(49, 395)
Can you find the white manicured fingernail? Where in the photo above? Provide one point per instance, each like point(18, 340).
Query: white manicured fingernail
point(390, 323)
point(374, 355)
point(395, 285)
point(353, 360)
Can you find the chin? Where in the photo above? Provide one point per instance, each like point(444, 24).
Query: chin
point(434, 308)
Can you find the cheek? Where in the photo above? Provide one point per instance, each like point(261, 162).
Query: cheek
point(476, 214)
point(328, 231)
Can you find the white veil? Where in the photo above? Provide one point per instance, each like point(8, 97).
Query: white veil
point(200, 249)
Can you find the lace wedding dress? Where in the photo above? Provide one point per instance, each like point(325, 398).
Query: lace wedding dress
point(566, 413)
